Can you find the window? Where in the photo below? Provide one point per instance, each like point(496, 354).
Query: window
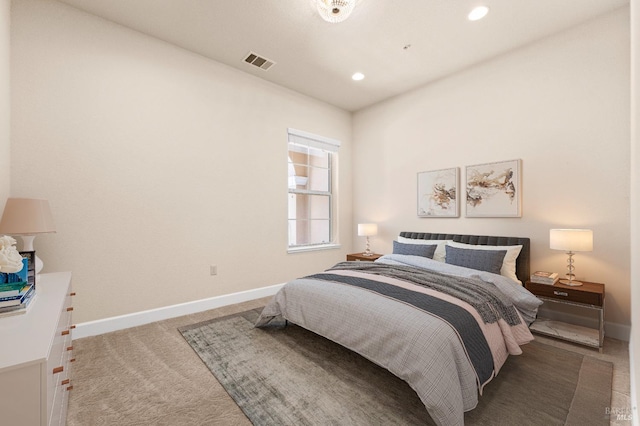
point(311, 201)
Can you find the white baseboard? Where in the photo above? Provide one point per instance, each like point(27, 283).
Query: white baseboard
point(107, 325)
point(617, 331)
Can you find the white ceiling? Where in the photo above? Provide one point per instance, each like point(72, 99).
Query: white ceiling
point(317, 58)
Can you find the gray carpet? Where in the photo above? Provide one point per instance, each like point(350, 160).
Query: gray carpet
point(289, 376)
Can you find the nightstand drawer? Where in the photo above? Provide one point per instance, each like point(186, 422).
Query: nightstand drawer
point(589, 293)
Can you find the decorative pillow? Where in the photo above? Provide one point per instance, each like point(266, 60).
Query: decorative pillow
point(508, 264)
point(439, 254)
point(481, 260)
point(414, 249)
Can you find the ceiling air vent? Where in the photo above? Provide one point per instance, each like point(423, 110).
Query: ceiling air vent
point(258, 61)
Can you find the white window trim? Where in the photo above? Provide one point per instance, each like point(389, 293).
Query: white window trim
point(315, 141)
point(328, 144)
point(302, 249)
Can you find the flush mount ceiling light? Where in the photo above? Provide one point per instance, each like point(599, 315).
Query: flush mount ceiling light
point(335, 11)
point(478, 13)
point(357, 76)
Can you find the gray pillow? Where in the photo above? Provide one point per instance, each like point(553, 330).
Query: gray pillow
point(481, 260)
point(414, 249)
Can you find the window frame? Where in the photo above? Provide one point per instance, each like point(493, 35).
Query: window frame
point(329, 146)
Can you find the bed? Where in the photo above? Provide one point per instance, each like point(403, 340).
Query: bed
point(443, 313)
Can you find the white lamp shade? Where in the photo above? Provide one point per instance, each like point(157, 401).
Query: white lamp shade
point(571, 239)
point(367, 229)
point(26, 216)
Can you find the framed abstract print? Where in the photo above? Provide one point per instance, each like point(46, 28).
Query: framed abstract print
point(438, 193)
point(494, 189)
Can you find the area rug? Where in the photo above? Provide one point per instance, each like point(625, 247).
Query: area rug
point(290, 376)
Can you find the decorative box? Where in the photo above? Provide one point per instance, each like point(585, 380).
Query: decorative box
point(16, 277)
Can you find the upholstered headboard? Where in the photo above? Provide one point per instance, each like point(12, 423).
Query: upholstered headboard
point(523, 264)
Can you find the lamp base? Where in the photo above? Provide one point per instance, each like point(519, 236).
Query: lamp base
point(367, 251)
point(572, 283)
point(27, 245)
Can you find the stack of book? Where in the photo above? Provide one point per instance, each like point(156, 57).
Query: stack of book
point(17, 290)
point(541, 277)
point(15, 297)
point(30, 271)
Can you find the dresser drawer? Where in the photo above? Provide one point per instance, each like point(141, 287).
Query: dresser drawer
point(589, 293)
point(58, 366)
point(56, 408)
point(55, 368)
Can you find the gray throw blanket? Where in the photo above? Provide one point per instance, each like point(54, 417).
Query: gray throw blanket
point(483, 296)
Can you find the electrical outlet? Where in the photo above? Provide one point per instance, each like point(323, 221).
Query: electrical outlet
point(213, 269)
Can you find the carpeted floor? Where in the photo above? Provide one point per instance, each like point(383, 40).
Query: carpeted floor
point(290, 376)
point(149, 375)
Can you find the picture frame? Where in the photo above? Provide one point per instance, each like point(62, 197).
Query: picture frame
point(494, 189)
point(438, 193)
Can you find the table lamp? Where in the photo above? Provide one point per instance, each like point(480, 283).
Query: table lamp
point(27, 217)
point(367, 230)
point(570, 241)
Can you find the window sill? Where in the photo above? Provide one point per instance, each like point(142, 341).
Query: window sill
point(303, 249)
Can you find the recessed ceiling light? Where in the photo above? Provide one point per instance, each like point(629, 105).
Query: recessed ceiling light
point(478, 13)
point(358, 76)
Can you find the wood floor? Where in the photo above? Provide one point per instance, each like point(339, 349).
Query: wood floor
point(149, 375)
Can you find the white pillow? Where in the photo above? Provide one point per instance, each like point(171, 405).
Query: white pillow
point(440, 253)
point(508, 264)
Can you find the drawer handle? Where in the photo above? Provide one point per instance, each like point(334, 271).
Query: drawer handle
point(65, 332)
point(65, 382)
point(58, 370)
point(70, 387)
point(72, 360)
point(72, 293)
point(560, 293)
point(70, 348)
point(72, 327)
point(70, 308)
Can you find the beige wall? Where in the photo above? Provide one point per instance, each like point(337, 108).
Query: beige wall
point(5, 134)
point(635, 207)
point(561, 105)
point(157, 162)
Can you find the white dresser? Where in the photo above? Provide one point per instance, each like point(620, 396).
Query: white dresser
point(36, 357)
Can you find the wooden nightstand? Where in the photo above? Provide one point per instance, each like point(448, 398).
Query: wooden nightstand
point(361, 256)
point(589, 296)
